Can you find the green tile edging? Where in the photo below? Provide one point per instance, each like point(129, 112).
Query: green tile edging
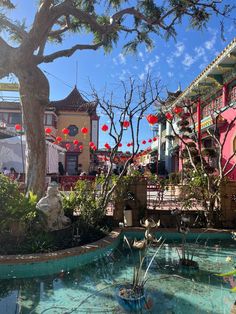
point(172, 233)
point(40, 257)
point(31, 265)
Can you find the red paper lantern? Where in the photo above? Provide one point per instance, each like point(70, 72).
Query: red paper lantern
point(177, 110)
point(126, 124)
point(81, 147)
point(58, 139)
point(48, 130)
point(154, 139)
point(150, 140)
point(152, 119)
point(18, 127)
point(144, 142)
point(94, 147)
point(65, 131)
point(76, 142)
point(67, 146)
point(169, 116)
point(91, 144)
point(84, 130)
point(128, 145)
point(107, 146)
point(119, 145)
point(104, 128)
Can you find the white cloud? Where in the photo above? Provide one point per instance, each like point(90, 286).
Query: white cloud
point(148, 50)
point(188, 60)
point(202, 66)
point(141, 56)
point(210, 43)
point(122, 58)
point(170, 74)
point(124, 74)
point(200, 51)
point(179, 49)
point(170, 61)
point(114, 61)
point(151, 64)
point(141, 76)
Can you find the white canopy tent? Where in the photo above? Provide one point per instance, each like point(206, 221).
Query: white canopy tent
point(13, 150)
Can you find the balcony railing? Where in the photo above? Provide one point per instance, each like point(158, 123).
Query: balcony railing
point(232, 94)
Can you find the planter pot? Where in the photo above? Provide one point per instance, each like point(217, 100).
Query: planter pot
point(128, 300)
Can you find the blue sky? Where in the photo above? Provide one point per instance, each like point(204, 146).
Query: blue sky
point(173, 62)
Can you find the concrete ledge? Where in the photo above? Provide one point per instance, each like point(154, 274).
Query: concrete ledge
point(174, 230)
point(100, 244)
point(75, 251)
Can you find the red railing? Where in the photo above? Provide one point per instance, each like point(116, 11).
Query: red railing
point(232, 94)
point(68, 182)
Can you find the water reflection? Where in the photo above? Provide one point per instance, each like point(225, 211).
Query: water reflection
point(91, 288)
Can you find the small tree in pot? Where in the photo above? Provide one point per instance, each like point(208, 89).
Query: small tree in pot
point(186, 254)
point(131, 296)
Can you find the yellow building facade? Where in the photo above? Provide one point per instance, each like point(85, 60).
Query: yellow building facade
point(72, 113)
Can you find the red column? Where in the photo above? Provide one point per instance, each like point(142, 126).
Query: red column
point(199, 123)
point(224, 95)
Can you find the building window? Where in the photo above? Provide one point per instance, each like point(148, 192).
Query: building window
point(71, 164)
point(232, 95)
point(218, 103)
point(48, 119)
point(15, 118)
point(4, 117)
point(73, 130)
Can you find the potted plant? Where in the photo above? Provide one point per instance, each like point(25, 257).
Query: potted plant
point(132, 296)
point(186, 254)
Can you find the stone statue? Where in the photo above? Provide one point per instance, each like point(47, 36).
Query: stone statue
point(50, 208)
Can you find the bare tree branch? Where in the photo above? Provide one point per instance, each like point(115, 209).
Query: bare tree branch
point(67, 52)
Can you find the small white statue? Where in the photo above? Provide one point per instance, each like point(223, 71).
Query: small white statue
point(51, 208)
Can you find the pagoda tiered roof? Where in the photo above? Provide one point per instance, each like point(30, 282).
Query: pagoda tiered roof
point(74, 102)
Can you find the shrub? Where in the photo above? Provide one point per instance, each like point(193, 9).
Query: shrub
point(14, 205)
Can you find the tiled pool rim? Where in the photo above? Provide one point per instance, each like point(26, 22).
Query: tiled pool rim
point(110, 242)
point(35, 265)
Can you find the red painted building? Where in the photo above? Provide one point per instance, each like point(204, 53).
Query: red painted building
point(213, 97)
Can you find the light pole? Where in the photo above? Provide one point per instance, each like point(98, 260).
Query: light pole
point(18, 128)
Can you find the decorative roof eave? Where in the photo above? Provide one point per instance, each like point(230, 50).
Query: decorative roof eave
point(74, 102)
point(213, 73)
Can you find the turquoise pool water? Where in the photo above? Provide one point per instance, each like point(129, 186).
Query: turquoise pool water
point(91, 287)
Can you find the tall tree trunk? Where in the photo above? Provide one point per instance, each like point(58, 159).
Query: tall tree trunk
point(34, 91)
